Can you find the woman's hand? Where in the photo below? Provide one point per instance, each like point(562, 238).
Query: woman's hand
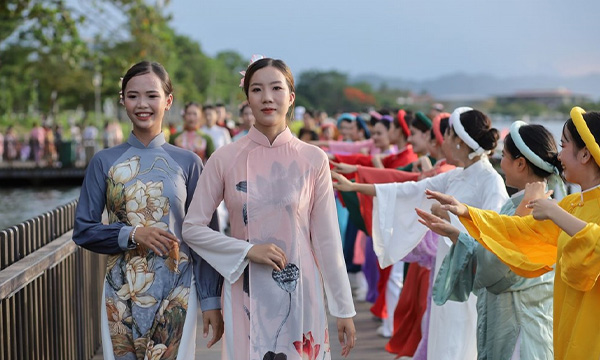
point(449, 203)
point(341, 183)
point(213, 318)
point(346, 334)
point(155, 239)
point(543, 209)
point(536, 190)
point(377, 160)
point(268, 254)
point(438, 225)
point(533, 191)
point(342, 168)
point(422, 164)
point(436, 209)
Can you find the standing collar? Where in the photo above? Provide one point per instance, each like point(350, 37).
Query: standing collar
point(260, 138)
point(158, 141)
point(590, 194)
point(517, 197)
point(476, 167)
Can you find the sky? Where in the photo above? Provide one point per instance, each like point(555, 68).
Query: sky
point(410, 39)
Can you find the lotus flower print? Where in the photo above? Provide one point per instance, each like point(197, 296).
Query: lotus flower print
point(112, 261)
point(283, 185)
point(115, 201)
point(274, 356)
point(287, 279)
point(177, 298)
point(125, 171)
point(306, 347)
point(242, 186)
point(145, 204)
point(139, 280)
point(118, 316)
point(155, 352)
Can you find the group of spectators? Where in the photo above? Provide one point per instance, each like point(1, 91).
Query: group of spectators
point(43, 143)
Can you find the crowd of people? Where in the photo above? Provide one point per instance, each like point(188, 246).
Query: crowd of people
point(44, 143)
point(255, 223)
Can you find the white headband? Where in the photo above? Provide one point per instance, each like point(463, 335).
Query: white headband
point(526, 151)
point(462, 134)
point(554, 181)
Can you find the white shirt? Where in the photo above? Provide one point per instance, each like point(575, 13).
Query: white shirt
point(219, 135)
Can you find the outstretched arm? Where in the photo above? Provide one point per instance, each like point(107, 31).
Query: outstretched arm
point(343, 184)
point(533, 191)
point(342, 168)
point(449, 203)
point(438, 225)
point(547, 209)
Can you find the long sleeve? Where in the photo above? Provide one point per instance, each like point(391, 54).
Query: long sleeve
point(468, 266)
point(492, 198)
point(526, 245)
point(456, 276)
point(580, 259)
point(226, 254)
point(355, 159)
point(327, 246)
point(89, 231)
point(396, 230)
point(424, 253)
point(209, 281)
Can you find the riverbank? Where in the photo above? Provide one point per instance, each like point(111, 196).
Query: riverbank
point(18, 204)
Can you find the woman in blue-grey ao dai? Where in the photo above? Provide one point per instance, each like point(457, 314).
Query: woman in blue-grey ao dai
point(149, 303)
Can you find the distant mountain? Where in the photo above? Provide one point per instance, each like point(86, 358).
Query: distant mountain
point(480, 86)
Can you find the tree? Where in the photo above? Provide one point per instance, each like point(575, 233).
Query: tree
point(46, 65)
point(39, 39)
point(322, 90)
point(225, 77)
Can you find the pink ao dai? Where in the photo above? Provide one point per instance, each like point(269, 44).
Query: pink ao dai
point(278, 193)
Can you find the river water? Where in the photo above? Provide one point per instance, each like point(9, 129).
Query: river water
point(20, 204)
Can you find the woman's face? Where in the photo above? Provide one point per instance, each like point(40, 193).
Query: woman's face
point(449, 147)
point(211, 116)
point(569, 157)
point(349, 130)
point(380, 136)
point(270, 98)
point(419, 140)
point(328, 133)
point(248, 117)
point(394, 133)
point(146, 103)
point(191, 117)
point(509, 166)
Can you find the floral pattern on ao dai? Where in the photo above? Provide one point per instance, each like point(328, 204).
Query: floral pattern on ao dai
point(277, 193)
point(149, 301)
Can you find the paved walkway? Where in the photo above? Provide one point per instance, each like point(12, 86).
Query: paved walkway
point(369, 345)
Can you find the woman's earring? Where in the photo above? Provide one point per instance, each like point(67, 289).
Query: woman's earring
point(458, 146)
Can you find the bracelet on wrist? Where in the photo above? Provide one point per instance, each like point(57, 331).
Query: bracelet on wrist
point(133, 242)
